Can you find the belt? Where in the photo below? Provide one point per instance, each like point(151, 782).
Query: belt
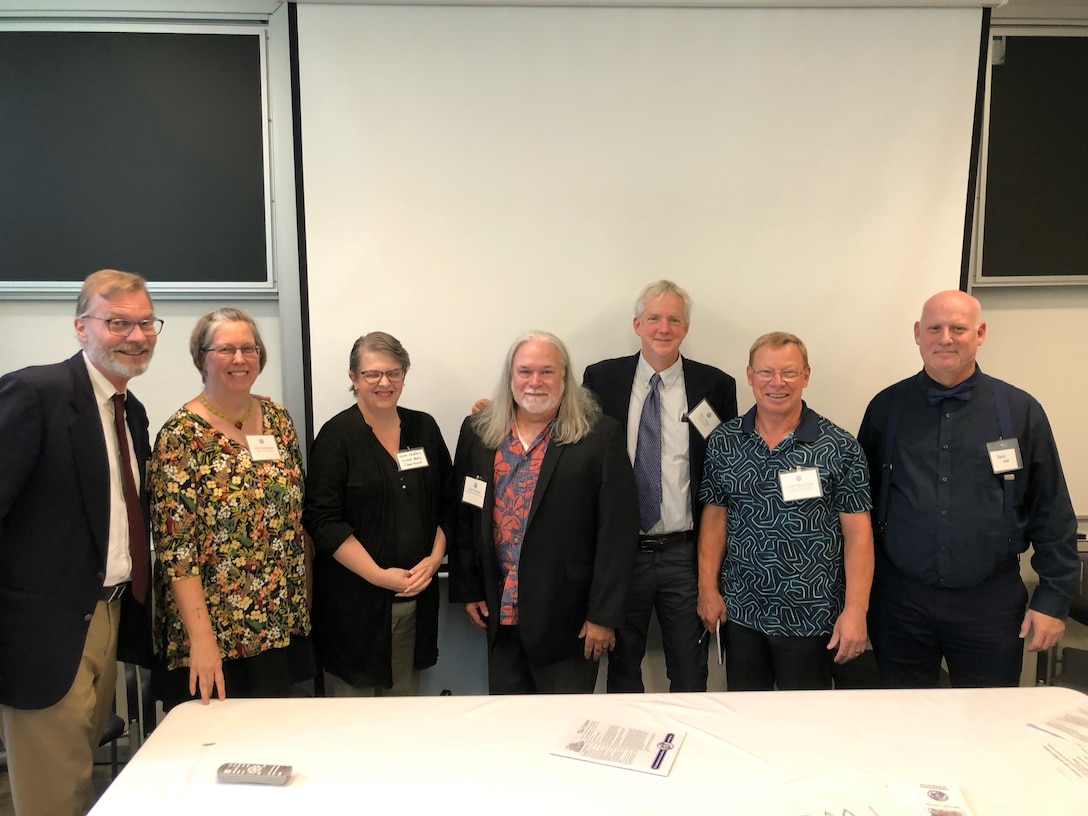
point(112, 593)
point(657, 543)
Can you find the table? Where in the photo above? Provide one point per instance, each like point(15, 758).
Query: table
point(452, 755)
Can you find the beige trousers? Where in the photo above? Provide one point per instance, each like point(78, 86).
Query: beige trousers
point(51, 750)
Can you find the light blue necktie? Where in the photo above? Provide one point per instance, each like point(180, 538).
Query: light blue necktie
point(648, 458)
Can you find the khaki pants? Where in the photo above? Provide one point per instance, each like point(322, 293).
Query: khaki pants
point(51, 750)
point(405, 677)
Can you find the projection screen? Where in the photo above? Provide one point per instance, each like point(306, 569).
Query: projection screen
point(475, 172)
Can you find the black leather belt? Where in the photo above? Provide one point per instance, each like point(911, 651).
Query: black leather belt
point(112, 593)
point(658, 543)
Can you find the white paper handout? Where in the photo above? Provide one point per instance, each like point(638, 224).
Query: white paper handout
point(621, 746)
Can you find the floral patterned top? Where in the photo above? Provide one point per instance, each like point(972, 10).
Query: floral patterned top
point(517, 470)
point(236, 524)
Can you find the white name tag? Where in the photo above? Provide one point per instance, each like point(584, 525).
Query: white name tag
point(474, 492)
point(704, 419)
point(413, 459)
point(1005, 455)
point(262, 447)
point(802, 483)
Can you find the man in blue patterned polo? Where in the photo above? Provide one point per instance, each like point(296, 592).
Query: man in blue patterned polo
point(785, 545)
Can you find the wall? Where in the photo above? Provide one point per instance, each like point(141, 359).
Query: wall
point(1035, 339)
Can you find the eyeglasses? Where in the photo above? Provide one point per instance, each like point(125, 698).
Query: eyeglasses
point(228, 352)
point(766, 375)
point(372, 377)
point(123, 328)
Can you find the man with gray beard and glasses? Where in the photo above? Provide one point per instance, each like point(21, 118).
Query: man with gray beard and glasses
point(547, 527)
point(74, 552)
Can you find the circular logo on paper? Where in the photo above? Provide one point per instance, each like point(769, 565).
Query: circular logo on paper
point(665, 746)
point(937, 796)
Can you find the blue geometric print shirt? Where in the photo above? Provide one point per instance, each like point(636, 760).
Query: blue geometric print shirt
point(783, 568)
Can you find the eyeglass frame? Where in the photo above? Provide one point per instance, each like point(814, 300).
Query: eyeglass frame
point(110, 322)
point(221, 351)
point(387, 374)
point(767, 375)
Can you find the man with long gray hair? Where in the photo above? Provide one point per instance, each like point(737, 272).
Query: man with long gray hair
point(548, 524)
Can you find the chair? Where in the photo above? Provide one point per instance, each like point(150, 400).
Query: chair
point(1068, 666)
point(114, 730)
point(140, 705)
point(140, 714)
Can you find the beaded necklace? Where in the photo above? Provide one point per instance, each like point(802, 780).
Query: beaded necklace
point(237, 423)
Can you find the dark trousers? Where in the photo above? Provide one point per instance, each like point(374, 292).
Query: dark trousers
point(665, 581)
point(976, 630)
point(758, 662)
point(510, 672)
point(271, 673)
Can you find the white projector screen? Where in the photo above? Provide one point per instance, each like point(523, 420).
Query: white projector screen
point(475, 172)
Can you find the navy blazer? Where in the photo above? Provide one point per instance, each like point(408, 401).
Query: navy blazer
point(611, 381)
point(579, 547)
point(54, 530)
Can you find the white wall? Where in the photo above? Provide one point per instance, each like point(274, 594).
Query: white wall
point(41, 332)
point(1036, 339)
point(473, 173)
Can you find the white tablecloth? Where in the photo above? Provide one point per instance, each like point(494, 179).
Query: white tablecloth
point(743, 752)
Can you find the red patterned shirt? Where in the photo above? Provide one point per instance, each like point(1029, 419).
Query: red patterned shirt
point(516, 472)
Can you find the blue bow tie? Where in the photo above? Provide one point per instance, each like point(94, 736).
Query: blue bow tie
point(959, 392)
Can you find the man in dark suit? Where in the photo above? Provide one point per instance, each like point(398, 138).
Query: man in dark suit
point(74, 575)
point(548, 525)
point(666, 442)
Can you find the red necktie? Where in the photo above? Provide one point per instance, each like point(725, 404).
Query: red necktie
point(137, 532)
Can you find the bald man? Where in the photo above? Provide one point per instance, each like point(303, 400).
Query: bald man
point(965, 477)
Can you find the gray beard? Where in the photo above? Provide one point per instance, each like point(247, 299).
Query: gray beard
point(111, 362)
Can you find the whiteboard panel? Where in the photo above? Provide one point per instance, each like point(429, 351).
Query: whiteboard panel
point(472, 173)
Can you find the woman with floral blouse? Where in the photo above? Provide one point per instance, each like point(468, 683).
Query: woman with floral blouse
point(226, 508)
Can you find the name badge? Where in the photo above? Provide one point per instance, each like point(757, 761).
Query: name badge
point(802, 483)
point(704, 419)
point(263, 447)
point(474, 492)
point(412, 459)
point(1005, 455)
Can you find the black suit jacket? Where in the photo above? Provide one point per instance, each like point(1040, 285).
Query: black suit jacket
point(611, 381)
point(579, 546)
point(54, 530)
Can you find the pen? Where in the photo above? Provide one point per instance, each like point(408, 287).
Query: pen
point(717, 628)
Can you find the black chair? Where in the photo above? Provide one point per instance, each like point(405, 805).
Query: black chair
point(1068, 666)
point(114, 730)
point(140, 705)
point(140, 714)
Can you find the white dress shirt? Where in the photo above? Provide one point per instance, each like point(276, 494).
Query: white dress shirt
point(118, 560)
point(675, 465)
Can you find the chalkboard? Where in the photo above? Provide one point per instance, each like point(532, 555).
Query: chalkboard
point(140, 150)
point(1036, 196)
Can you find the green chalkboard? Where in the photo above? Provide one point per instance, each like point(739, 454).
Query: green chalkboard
point(1036, 214)
point(139, 150)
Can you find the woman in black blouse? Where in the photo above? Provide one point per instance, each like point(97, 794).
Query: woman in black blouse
point(377, 499)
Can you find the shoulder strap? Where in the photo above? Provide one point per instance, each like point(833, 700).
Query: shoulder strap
point(887, 445)
point(1004, 424)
